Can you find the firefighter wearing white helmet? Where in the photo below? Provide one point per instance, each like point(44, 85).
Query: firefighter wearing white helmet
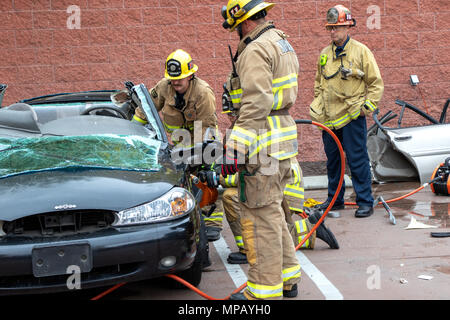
point(348, 86)
point(182, 98)
point(262, 87)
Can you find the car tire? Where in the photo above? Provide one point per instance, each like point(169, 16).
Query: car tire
point(193, 275)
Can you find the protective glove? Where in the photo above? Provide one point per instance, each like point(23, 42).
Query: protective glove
point(229, 166)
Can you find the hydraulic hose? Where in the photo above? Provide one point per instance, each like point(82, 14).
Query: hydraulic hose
point(341, 181)
point(341, 178)
point(403, 196)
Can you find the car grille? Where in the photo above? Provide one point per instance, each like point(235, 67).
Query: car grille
point(60, 223)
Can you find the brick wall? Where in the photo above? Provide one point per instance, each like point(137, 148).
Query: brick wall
point(129, 40)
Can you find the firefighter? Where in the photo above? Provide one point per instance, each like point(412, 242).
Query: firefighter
point(295, 195)
point(348, 87)
point(184, 99)
point(263, 142)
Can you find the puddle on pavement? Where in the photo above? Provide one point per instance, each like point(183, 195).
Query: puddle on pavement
point(434, 213)
point(429, 212)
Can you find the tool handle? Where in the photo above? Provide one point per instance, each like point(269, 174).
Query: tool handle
point(386, 206)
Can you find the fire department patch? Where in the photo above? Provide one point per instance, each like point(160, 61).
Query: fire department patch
point(154, 93)
point(235, 9)
point(285, 46)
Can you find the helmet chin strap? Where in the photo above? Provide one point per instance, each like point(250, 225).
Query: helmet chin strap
point(239, 30)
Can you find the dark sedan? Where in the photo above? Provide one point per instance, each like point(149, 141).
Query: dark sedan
point(89, 198)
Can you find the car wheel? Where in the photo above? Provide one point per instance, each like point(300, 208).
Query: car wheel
point(193, 275)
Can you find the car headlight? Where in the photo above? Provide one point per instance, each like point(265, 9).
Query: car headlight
point(176, 202)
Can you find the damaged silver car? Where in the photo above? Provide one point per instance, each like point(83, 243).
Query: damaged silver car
point(407, 153)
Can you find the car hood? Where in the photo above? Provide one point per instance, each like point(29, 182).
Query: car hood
point(83, 189)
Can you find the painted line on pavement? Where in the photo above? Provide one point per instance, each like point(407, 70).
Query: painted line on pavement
point(234, 270)
point(325, 286)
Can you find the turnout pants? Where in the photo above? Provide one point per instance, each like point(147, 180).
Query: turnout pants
point(215, 219)
point(353, 138)
point(298, 228)
point(270, 250)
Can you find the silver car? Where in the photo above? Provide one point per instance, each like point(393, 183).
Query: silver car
point(399, 153)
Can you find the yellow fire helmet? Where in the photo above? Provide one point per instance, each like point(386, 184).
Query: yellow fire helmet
point(179, 65)
point(340, 16)
point(237, 11)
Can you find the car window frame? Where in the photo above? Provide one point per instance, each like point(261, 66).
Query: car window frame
point(151, 112)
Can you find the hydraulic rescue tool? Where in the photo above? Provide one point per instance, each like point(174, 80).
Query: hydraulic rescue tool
point(442, 174)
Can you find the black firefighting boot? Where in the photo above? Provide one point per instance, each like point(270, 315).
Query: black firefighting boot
point(322, 232)
point(213, 233)
point(325, 205)
point(237, 258)
point(291, 293)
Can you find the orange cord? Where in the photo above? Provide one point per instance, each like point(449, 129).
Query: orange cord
point(101, 295)
point(341, 181)
point(395, 199)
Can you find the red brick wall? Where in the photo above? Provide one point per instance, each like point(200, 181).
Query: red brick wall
point(129, 40)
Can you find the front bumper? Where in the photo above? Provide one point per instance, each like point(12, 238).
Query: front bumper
point(118, 255)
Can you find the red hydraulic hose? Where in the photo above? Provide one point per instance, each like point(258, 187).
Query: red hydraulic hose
point(341, 181)
point(341, 178)
point(403, 196)
point(101, 295)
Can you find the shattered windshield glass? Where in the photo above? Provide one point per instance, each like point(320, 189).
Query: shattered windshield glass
point(114, 152)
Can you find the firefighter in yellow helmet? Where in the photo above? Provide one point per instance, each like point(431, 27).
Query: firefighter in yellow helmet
point(262, 145)
point(184, 99)
point(348, 86)
point(295, 195)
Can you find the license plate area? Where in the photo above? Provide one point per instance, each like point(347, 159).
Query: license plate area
point(54, 260)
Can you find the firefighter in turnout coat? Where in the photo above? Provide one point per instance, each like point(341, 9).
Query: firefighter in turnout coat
point(182, 98)
point(262, 145)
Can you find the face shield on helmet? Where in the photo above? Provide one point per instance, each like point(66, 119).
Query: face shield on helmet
point(179, 65)
point(340, 16)
point(237, 11)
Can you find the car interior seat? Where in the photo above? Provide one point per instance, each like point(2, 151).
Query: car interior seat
point(19, 116)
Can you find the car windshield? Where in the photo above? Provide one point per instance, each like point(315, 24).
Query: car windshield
point(105, 151)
